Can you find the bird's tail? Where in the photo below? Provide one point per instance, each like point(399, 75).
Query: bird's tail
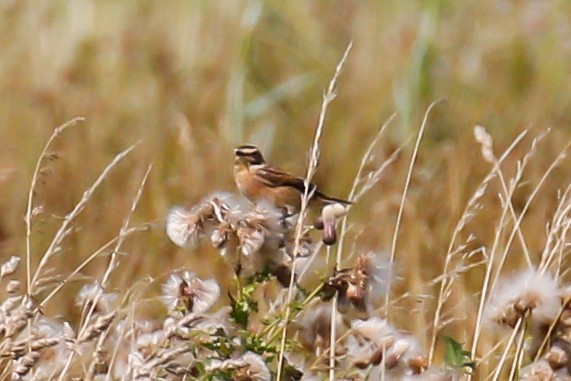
point(330, 200)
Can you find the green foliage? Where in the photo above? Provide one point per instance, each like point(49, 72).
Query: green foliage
point(225, 375)
point(456, 356)
point(259, 345)
point(244, 304)
point(296, 306)
point(242, 307)
point(221, 344)
point(291, 372)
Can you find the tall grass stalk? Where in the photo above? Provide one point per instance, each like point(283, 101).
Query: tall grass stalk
point(31, 193)
point(312, 168)
point(498, 370)
point(111, 265)
point(530, 199)
point(70, 217)
point(112, 262)
point(467, 215)
point(404, 195)
point(491, 256)
point(518, 356)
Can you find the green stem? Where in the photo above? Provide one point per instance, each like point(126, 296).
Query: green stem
point(305, 302)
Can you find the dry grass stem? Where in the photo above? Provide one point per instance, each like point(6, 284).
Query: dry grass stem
point(404, 193)
point(466, 216)
point(32, 189)
point(64, 229)
point(313, 163)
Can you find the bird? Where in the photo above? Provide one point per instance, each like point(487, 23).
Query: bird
point(257, 180)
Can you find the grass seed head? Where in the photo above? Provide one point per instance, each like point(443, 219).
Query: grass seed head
point(23, 365)
point(10, 266)
point(13, 286)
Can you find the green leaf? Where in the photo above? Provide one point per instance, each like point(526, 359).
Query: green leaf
point(457, 356)
point(221, 344)
point(257, 344)
point(225, 375)
point(244, 304)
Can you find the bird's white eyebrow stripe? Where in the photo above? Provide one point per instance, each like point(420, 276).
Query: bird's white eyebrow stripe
point(246, 151)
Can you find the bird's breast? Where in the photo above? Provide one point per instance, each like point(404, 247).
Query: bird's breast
point(246, 182)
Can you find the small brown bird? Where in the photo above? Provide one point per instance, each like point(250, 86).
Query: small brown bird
point(258, 180)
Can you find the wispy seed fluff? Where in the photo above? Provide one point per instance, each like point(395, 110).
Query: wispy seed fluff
point(260, 228)
point(314, 325)
point(231, 225)
point(362, 286)
point(187, 292)
point(53, 356)
point(526, 292)
point(89, 293)
point(375, 338)
point(376, 330)
point(378, 269)
point(538, 370)
point(185, 226)
point(248, 367)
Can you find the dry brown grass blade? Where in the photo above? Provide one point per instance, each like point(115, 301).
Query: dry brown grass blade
point(518, 222)
point(464, 218)
point(404, 194)
point(100, 251)
point(490, 265)
point(498, 371)
point(30, 205)
point(354, 196)
point(63, 231)
point(123, 233)
point(92, 329)
point(313, 163)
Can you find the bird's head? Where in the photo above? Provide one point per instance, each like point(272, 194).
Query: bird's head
point(248, 154)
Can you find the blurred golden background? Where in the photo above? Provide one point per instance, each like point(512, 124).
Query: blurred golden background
point(192, 79)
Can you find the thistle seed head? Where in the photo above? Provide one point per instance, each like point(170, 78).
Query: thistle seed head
point(185, 291)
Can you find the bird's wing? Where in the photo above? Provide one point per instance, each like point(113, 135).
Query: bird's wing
point(276, 177)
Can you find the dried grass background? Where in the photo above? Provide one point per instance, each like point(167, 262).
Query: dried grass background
point(192, 79)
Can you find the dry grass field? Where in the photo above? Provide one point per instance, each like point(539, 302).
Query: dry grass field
point(184, 82)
